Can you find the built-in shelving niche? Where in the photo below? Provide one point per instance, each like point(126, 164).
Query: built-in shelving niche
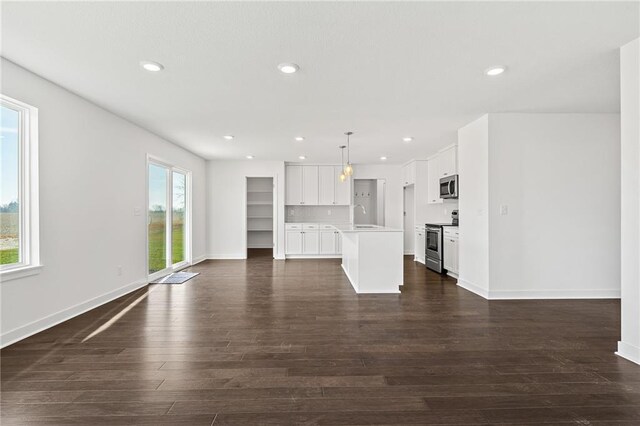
point(259, 212)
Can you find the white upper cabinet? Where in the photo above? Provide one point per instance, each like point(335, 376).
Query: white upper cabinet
point(448, 160)
point(444, 164)
point(316, 186)
point(433, 181)
point(293, 183)
point(342, 189)
point(409, 174)
point(326, 185)
point(310, 185)
point(301, 185)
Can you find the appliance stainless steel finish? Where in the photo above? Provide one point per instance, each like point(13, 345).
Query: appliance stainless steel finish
point(454, 218)
point(433, 248)
point(449, 187)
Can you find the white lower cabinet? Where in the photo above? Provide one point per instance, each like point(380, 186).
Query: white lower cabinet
point(294, 242)
point(312, 239)
point(450, 247)
point(310, 242)
point(327, 242)
point(420, 242)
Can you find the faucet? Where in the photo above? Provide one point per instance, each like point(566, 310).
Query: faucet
point(353, 212)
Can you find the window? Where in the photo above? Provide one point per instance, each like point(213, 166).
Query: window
point(19, 255)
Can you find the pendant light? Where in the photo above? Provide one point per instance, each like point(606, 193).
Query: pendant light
point(348, 170)
point(342, 176)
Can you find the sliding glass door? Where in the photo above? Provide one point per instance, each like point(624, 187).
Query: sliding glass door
point(168, 218)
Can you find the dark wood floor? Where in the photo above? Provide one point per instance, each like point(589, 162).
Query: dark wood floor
point(272, 342)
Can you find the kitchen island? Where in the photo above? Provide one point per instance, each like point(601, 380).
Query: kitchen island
point(372, 257)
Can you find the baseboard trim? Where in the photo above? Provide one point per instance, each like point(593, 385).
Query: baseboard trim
point(198, 260)
point(630, 352)
point(313, 256)
point(473, 288)
point(226, 257)
point(554, 294)
point(20, 333)
point(538, 294)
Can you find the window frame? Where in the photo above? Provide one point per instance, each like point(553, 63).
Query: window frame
point(28, 198)
point(188, 260)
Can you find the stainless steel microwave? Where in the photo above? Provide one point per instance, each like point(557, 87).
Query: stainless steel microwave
point(449, 187)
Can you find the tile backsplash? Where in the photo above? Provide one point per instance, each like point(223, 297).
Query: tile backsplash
point(317, 214)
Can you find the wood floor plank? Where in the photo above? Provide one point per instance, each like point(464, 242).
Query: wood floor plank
point(272, 342)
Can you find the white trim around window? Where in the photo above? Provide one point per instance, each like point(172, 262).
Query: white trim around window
point(29, 229)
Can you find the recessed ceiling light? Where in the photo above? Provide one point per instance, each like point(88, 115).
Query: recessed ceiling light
point(302, 157)
point(151, 66)
point(299, 138)
point(288, 68)
point(383, 158)
point(228, 137)
point(493, 71)
point(407, 139)
point(249, 157)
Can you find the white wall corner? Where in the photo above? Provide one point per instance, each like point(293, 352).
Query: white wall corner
point(473, 288)
point(199, 259)
point(630, 352)
point(49, 321)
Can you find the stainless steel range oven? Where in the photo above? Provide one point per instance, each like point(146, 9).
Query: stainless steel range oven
point(433, 247)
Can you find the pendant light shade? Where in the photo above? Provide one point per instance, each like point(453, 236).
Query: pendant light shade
point(348, 169)
point(343, 176)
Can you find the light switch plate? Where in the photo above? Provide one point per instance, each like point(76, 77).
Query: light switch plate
point(137, 211)
point(504, 210)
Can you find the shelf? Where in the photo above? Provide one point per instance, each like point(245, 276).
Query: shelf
point(259, 217)
point(259, 203)
point(260, 230)
point(259, 190)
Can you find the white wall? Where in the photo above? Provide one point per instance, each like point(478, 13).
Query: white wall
point(473, 169)
point(392, 174)
point(629, 346)
point(92, 176)
point(226, 205)
point(558, 175)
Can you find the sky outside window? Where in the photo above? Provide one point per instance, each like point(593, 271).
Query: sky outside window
point(9, 152)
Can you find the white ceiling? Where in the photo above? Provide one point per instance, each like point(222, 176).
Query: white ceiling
point(382, 70)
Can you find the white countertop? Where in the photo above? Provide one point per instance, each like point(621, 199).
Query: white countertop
point(365, 228)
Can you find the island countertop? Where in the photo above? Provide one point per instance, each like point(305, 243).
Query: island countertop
point(365, 228)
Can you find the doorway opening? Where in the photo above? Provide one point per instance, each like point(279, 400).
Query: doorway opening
point(370, 195)
point(260, 218)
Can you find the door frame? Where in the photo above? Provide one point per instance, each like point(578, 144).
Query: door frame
point(151, 159)
point(274, 195)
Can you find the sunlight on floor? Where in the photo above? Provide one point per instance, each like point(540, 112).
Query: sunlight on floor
point(116, 317)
